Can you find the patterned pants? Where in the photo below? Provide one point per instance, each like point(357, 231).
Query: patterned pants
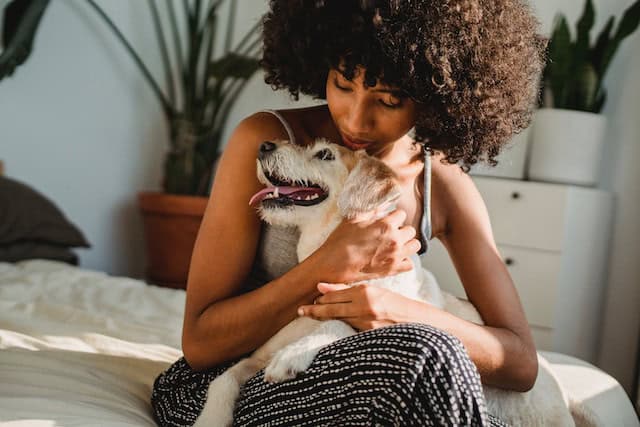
point(401, 375)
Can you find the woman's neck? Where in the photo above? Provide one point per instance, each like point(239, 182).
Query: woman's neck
point(402, 153)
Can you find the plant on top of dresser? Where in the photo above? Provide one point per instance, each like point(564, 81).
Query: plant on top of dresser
point(568, 131)
point(201, 86)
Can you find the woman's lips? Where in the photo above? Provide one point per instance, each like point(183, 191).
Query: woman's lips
point(354, 144)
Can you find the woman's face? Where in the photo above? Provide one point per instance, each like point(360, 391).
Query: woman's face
point(370, 118)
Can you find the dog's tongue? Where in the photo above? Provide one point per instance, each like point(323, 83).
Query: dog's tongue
point(286, 191)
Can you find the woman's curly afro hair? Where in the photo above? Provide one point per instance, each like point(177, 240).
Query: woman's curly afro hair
point(471, 66)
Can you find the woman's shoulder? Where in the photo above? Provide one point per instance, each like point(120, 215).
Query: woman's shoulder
point(454, 195)
point(448, 176)
point(264, 125)
point(305, 123)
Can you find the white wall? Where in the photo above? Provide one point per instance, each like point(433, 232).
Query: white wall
point(78, 123)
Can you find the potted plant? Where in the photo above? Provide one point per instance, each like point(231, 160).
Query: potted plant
point(568, 132)
point(201, 87)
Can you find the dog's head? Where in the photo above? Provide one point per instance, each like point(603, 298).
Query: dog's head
point(330, 178)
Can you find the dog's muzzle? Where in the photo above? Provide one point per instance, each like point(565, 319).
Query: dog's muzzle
point(288, 193)
point(285, 192)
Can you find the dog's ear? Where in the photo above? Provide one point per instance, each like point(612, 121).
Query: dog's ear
point(369, 187)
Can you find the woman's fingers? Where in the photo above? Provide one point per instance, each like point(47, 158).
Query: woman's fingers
point(405, 265)
point(396, 218)
point(407, 238)
point(331, 287)
point(334, 293)
point(411, 247)
point(343, 310)
point(337, 302)
point(406, 233)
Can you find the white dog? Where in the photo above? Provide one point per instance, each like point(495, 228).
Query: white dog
point(314, 188)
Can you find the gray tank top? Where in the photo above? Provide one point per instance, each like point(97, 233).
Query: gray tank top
point(276, 251)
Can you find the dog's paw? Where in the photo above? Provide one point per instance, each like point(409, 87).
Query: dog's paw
point(221, 400)
point(287, 363)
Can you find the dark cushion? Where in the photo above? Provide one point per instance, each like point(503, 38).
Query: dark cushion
point(28, 216)
point(20, 251)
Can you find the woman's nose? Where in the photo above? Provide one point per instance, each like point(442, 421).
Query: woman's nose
point(359, 119)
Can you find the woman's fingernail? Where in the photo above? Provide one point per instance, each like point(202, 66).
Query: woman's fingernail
point(300, 311)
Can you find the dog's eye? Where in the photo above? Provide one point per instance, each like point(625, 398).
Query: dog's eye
point(324, 154)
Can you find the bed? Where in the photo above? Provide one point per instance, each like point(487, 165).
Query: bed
point(81, 348)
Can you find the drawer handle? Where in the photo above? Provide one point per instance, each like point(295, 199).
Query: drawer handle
point(509, 261)
point(515, 195)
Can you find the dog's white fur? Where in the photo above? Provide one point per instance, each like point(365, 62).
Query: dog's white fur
point(358, 187)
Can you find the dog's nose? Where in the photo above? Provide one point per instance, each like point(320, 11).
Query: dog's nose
point(265, 148)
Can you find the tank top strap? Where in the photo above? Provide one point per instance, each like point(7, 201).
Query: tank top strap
point(287, 126)
point(425, 224)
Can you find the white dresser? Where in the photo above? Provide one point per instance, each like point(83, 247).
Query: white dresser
point(554, 239)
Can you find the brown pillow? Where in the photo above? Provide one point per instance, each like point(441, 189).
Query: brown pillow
point(20, 251)
point(28, 216)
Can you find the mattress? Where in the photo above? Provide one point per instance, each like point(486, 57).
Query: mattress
point(81, 348)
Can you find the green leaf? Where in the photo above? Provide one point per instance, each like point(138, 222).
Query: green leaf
point(20, 23)
point(583, 27)
point(604, 38)
point(559, 62)
point(629, 22)
point(628, 25)
point(580, 87)
point(234, 66)
point(586, 87)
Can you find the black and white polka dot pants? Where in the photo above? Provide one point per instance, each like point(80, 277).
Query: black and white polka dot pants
point(400, 375)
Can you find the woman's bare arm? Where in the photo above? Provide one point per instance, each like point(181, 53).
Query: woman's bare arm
point(503, 349)
point(219, 326)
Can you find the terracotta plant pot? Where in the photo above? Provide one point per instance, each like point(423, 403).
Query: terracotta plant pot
point(171, 224)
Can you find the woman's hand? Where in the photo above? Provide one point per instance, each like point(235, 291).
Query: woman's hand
point(362, 306)
point(364, 250)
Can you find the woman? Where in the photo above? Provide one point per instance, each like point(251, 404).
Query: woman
point(427, 87)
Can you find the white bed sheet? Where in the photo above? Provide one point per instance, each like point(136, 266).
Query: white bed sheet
point(81, 348)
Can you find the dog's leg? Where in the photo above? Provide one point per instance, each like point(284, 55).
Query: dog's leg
point(298, 356)
point(225, 389)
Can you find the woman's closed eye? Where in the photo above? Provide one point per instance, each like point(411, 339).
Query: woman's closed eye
point(338, 86)
point(391, 102)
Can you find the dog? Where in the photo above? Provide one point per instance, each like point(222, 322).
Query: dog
point(314, 187)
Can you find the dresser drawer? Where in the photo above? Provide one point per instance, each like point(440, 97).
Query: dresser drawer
point(535, 274)
point(525, 214)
